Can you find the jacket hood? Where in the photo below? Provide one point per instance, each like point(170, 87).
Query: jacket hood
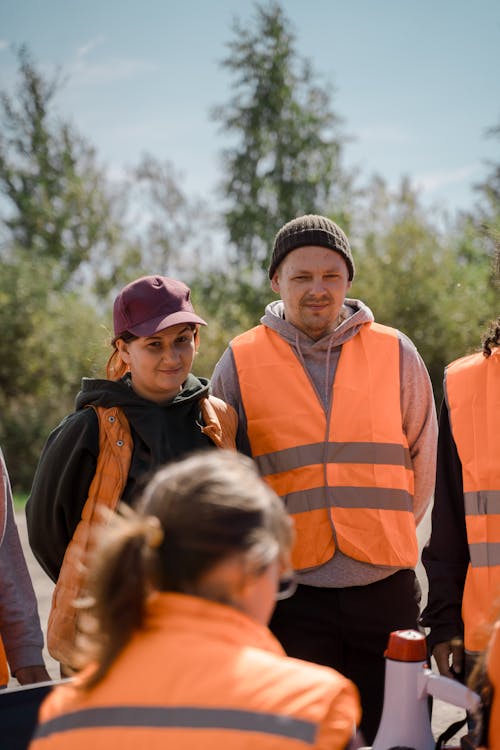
point(107, 393)
point(355, 314)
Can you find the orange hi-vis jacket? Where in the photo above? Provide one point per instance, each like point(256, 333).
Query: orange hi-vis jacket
point(115, 453)
point(113, 463)
point(472, 389)
point(202, 676)
point(345, 477)
point(493, 667)
point(4, 667)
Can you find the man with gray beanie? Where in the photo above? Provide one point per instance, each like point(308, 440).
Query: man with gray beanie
point(338, 413)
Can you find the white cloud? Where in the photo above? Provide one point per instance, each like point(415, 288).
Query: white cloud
point(84, 50)
point(87, 72)
point(3, 44)
point(107, 72)
point(435, 180)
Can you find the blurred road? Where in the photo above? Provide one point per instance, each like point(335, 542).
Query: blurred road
point(443, 713)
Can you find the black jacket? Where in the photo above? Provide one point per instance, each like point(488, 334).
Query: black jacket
point(446, 555)
point(68, 461)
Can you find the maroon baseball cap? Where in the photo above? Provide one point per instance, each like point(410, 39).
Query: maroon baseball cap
point(152, 303)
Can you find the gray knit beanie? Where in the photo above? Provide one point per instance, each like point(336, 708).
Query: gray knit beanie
point(310, 230)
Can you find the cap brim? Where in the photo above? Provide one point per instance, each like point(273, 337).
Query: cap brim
point(151, 327)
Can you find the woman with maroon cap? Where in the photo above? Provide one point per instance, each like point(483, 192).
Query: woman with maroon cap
point(149, 411)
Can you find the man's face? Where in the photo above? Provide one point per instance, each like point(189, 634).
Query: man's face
point(312, 282)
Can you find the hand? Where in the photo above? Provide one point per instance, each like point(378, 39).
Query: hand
point(449, 656)
point(29, 675)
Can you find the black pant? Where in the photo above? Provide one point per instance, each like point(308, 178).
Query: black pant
point(348, 629)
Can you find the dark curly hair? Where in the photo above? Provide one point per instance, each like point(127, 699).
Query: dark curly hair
point(491, 338)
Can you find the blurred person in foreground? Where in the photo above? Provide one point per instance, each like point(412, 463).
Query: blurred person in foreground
point(462, 556)
point(338, 413)
point(148, 411)
point(484, 679)
point(176, 648)
point(21, 643)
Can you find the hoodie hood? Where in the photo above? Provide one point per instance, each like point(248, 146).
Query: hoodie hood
point(354, 313)
point(319, 358)
point(107, 393)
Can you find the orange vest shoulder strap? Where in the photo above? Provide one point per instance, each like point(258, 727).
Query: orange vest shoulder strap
point(4, 669)
point(220, 422)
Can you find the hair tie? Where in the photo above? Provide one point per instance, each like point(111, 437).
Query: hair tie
point(153, 532)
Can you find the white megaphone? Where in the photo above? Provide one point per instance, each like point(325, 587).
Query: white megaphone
point(405, 718)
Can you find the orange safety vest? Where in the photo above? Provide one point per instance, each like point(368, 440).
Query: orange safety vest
point(493, 666)
point(472, 389)
point(200, 674)
point(4, 667)
point(113, 463)
point(115, 453)
point(345, 477)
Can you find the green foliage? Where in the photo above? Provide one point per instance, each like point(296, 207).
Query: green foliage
point(230, 303)
point(172, 236)
point(486, 218)
point(437, 289)
point(45, 347)
point(19, 500)
point(56, 218)
point(286, 157)
point(57, 209)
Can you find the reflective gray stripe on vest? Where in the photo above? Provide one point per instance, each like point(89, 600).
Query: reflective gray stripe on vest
point(484, 554)
point(184, 717)
point(482, 502)
point(348, 497)
point(338, 453)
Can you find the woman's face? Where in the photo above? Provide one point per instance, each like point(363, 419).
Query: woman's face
point(160, 364)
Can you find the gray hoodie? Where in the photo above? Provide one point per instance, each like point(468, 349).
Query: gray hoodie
point(19, 621)
point(320, 359)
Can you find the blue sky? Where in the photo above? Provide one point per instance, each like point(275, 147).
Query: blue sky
point(417, 84)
